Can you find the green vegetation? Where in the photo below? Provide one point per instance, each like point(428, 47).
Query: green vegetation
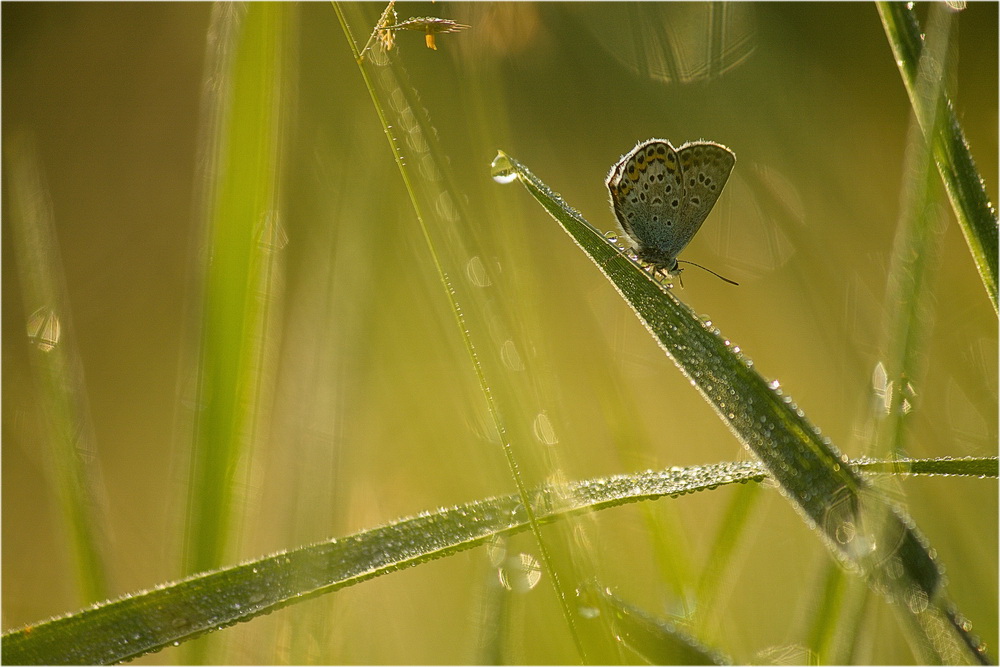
point(332, 331)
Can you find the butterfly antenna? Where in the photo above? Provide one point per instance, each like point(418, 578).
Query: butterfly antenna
point(731, 282)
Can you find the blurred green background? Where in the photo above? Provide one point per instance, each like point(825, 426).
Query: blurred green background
point(366, 407)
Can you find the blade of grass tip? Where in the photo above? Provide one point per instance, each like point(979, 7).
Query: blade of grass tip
point(976, 214)
point(451, 295)
point(864, 529)
point(177, 612)
point(73, 472)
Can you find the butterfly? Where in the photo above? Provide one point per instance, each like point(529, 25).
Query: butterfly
point(662, 195)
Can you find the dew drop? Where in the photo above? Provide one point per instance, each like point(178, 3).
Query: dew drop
point(520, 573)
point(44, 329)
point(502, 170)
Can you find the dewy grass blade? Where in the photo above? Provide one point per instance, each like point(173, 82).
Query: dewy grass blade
point(177, 612)
point(497, 415)
point(172, 613)
point(863, 528)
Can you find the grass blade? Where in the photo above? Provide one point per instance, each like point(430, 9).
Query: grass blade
point(966, 190)
point(863, 528)
point(657, 641)
point(74, 475)
point(716, 580)
point(241, 200)
point(148, 621)
point(592, 646)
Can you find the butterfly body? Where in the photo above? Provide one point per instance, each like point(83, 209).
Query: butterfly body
point(662, 195)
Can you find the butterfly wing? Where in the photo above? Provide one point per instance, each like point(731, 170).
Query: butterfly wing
point(647, 197)
point(705, 168)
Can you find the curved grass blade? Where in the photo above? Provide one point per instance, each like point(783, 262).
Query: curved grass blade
point(145, 622)
point(863, 528)
point(149, 621)
point(966, 190)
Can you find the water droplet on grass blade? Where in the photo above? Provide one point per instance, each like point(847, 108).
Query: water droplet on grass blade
point(501, 169)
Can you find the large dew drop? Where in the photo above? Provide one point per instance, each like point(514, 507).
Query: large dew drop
point(501, 169)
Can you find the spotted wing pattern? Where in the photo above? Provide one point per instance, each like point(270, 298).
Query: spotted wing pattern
point(706, 167)
point(661, 196)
